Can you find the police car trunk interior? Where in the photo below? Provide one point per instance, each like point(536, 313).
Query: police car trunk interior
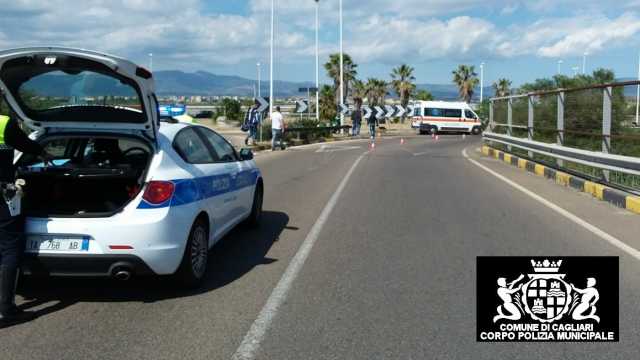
point(90, 176)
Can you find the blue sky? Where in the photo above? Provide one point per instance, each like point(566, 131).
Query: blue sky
point(519, 40)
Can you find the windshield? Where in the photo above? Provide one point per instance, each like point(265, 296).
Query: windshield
point(87, 88)
point(71, 90)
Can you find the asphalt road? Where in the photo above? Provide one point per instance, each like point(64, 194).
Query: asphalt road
point(391, 274)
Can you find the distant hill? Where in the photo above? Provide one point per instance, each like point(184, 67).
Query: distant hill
point(175, 82)
point(450, 92)
point(205, 83)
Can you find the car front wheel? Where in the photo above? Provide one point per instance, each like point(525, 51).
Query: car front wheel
point(196, 255)
point(256, 208)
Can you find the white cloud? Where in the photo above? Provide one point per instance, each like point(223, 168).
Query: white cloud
point(388, 40)
point(593, 36)
point(183, 35)
point(509, 9)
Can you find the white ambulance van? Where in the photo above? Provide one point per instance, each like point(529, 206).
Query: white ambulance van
point(432, 117)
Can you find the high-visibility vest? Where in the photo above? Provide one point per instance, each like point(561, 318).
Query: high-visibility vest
point(4, 120)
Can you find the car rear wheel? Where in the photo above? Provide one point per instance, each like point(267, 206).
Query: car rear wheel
point(476, 130)
point(196, 255)
point(256, 208)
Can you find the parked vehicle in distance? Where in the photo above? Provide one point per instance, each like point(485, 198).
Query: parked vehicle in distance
point(204, 115)
point(432, 117)
point(125, 194)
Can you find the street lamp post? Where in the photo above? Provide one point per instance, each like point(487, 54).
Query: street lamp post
point(271, 99)
point(559, 66)
point(317, 63)
point(584, 63)
point(259, 95)
point(575, 69)
point(151, 62)
point(341, 70)
point(259, 81)
point(481, 82)
point(638, 96)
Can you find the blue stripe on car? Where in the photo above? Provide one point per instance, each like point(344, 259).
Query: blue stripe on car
point(188, 191)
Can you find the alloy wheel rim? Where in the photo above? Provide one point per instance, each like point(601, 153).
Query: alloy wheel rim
point(199, 252)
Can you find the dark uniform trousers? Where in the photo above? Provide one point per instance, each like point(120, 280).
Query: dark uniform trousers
point(11, 244)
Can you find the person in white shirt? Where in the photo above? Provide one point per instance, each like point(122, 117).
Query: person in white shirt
point(277, 129)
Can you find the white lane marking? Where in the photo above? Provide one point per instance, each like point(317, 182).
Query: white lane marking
point(593, 229)
point(420, 153)
point(334, 148)
point(251, 343)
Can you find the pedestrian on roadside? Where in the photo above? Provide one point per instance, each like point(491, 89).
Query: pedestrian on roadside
point(252, 121)
point(11, 222)
point(277, 129)
point(373, 124)
point(356, 119)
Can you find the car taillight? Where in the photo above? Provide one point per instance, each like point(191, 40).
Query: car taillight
point(158, 192)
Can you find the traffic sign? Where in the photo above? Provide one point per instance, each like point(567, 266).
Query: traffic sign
point(342, 109)
point(400, 111)
point(379, 112)
point(264, 104)
point(390, 111)
point(410, 110)
point(367, 112)
point(301, 106)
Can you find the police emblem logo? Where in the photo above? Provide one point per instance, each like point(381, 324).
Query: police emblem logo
point(546, 301)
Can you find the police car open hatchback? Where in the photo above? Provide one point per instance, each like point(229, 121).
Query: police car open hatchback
point(126, 194)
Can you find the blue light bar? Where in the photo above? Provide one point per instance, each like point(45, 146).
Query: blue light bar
point(172, 110)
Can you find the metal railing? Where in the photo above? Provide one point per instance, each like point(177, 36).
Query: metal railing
point(591, 131)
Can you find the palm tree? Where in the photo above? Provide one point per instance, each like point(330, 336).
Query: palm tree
point(502, 87)
point(376, 91)
point(328, 109)
point(466, 79)
point(359, 92)
point(424, 95)
point(402, 82)
point(333, 70)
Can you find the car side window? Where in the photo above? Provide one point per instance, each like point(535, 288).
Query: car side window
point(192, 148)
point(453, 113)
point(469, 115)
point(221, 147)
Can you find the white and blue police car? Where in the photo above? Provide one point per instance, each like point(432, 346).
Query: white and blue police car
point(126, 193)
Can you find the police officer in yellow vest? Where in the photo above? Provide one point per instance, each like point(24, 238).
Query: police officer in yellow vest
point(11, 227)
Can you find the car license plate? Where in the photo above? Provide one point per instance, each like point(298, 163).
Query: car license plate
point(57, 244)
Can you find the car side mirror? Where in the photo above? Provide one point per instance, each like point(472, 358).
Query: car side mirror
point(246, 154)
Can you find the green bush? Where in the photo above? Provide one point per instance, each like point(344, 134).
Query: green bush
point(232, 110)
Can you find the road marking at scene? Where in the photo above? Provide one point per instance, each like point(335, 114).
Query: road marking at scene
point(593, 229)
point(251, 343)
point(334, 148)
point(420, 153)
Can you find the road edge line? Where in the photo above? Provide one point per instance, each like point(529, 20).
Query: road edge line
point(591, 228)
point(251, 343)
point(601, 192)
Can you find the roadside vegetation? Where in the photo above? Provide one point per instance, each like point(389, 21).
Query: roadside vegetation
point(583, 112)
point(371, 91)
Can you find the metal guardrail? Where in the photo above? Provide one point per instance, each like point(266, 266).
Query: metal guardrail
point(556, 129)
point(619, 163)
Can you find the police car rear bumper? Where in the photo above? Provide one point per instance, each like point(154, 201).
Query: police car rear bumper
point(93, 265)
